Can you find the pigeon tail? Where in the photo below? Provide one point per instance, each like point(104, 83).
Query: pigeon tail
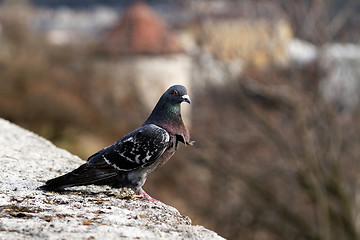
point(80, 176)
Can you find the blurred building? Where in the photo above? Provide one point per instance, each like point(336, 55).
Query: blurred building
point(341, 63)
point(64, 25)
point(234, 36)
point(257, 42)
point(143, 54)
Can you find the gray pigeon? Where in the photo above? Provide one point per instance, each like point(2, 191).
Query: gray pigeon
point(129, 161)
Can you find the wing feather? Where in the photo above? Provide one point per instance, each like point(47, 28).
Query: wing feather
point(139, 148)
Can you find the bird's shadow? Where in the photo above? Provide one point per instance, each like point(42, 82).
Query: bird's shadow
point(97, 191)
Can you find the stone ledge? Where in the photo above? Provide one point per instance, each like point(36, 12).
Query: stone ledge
point(92, 212)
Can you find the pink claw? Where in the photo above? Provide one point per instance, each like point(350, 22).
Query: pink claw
point(144, 196)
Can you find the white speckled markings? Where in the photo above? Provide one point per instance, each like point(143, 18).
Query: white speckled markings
point(92, 212)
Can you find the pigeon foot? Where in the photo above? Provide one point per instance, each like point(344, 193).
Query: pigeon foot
point(143, 196)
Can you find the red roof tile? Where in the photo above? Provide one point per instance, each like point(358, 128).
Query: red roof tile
point(141, 31)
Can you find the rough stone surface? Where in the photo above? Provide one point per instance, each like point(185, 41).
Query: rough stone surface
point(92, 212)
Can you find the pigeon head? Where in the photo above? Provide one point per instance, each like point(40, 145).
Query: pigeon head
point(175, 95)
point(167, 112)
point(168, 106)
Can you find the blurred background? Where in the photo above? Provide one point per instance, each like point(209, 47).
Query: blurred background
point(275, 101)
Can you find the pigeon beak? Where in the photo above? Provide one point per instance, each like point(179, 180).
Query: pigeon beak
point(186, 98)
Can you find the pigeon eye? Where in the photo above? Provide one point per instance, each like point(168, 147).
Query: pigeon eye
point(175, 92)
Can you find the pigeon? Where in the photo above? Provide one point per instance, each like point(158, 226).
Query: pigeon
point(129, 161)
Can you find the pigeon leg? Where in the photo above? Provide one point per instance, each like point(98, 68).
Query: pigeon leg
point(143, 196)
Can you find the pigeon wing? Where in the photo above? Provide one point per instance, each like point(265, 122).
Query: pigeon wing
point(139, 148)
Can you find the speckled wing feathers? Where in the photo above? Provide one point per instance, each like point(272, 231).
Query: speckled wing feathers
point(128, 162)
point(137, 149)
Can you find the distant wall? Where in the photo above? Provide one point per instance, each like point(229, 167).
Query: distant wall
point(149, 76)
point(257, 42)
